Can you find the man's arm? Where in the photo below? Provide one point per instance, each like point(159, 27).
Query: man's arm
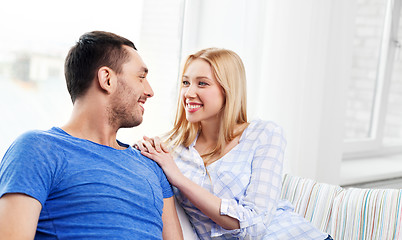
point(19, 214)
point(171, 225)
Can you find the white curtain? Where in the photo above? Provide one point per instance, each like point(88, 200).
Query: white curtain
point(297, 56)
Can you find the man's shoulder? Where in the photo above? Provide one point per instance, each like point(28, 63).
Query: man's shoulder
point(34, 149)
point(148, 163)
point(39, 134)
point(34, 142)
point(144, 160)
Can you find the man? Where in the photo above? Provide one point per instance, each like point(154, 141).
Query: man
point(78, 181)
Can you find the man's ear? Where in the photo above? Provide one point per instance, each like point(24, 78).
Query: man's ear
point(106, 79)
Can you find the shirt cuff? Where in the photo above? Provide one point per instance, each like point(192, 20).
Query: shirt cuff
point(224, 207)
point(227, 210)
point(217, 231)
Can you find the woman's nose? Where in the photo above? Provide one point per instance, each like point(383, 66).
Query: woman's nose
point(190, 92)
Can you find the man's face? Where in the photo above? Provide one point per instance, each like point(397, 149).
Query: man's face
point(132, 92)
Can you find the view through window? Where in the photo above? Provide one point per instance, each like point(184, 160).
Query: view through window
point(369, 27)
point(374, 110)
point(36, 36)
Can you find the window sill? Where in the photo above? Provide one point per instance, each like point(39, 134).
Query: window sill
point(362, 170)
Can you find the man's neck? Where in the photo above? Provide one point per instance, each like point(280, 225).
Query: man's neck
point(92, 124)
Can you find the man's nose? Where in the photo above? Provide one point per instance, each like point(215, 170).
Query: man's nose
point(148, 89)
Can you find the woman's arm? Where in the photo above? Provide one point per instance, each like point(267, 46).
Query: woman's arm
point(257, 205)
point(253, 212)
point(205, 201)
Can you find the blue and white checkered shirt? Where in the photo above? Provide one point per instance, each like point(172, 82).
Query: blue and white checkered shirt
point(248, 179)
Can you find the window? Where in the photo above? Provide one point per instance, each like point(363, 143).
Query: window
point(374, 110)
point(37, 36)
point(393, 118)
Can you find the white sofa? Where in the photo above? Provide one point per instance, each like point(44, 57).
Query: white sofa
point(343, 213)
point(350, 213)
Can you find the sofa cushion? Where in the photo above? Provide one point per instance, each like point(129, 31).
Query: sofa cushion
point(310, 199)
point(367, 214)
point(350, 213)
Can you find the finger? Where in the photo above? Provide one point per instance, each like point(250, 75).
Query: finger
point(150, 140)
point(140, 146)
point(149, 147)
point(165, 147)
point(151, 156)
point(157, 144)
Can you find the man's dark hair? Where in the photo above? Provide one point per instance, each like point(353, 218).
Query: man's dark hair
point(93, 51)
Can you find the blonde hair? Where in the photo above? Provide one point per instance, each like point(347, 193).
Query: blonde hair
point(229, 71)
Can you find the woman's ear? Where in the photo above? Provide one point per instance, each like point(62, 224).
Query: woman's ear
point(106, 77)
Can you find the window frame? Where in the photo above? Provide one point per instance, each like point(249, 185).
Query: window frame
point(373, 145)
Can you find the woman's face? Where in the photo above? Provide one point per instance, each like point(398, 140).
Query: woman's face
point(201, 94)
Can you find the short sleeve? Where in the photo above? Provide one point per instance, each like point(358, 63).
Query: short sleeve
point(25, 168)
point(167, 190)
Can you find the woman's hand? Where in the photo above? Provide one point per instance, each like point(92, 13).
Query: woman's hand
point(151, 143)
point(154, 149)
point(208, 203)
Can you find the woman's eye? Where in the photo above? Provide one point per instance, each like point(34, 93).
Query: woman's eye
point(202, 83)
point(185, 83)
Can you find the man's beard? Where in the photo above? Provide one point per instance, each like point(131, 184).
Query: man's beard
point(122, 114)
point(121, 117)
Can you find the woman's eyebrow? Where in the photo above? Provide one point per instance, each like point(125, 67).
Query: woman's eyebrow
point(203, 77)
point(198, 77)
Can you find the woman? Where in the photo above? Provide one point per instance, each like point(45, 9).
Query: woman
point(227, 172)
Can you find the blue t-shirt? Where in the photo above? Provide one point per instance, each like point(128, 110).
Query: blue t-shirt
point(87, 190)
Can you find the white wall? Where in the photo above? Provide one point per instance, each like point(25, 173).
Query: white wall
point(297, 57)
